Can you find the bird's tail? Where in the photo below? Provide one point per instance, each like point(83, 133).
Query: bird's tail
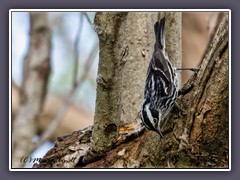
point(159, 29)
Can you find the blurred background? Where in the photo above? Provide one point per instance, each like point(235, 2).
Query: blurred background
point(75, 29)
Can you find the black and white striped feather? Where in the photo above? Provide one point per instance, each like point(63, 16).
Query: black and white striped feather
point(161, 83)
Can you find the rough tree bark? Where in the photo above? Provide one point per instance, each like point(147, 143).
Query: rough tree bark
point(196, 139)
point(124, 55)
point(34, 87)
point(109, 80)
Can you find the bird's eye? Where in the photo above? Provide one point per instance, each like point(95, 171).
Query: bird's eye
point(155, 120)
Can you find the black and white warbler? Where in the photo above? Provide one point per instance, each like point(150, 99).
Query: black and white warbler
point(161, 83)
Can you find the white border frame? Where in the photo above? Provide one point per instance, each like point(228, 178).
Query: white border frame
point(111, 10)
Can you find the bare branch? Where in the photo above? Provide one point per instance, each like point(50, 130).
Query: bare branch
point(34, 87)
point(88, 18)
point(76, 51)
point(52, 127)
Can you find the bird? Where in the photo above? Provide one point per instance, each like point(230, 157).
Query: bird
point(161, 83)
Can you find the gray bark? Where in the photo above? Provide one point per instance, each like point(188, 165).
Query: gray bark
point(125, 52)
point(174, 39)
point(140, 40)
point(111, 59)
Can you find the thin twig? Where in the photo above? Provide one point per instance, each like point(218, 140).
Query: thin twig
point(88, 18)
point(52, 127)
point(190, 69)
point(76, 51)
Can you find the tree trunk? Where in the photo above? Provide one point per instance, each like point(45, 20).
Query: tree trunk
point(140, 40)
point(197, 138)
point(125, 51)
point(109, 80)
point(34, 87)
point(174, 39)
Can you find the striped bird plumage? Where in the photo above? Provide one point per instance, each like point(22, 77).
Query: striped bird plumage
point(161, 83)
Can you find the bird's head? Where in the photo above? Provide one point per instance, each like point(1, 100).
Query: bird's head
point(151, 118)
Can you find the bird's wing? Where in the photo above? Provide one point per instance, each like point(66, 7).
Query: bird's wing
point(160, 84)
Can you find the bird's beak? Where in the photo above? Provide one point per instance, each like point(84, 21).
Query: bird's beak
point(160, 134)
